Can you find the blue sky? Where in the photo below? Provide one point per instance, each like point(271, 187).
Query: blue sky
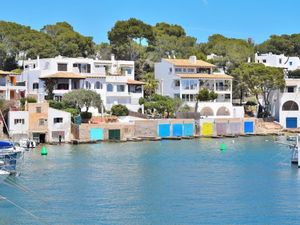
point(257, 19)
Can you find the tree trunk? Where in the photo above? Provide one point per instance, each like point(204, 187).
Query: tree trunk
point(196, 110)
point(241, 97)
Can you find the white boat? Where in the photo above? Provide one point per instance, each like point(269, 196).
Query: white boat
point(3, 175)
point(9, 153)
point(291, 138)
point(295, 156)
point(27, 143)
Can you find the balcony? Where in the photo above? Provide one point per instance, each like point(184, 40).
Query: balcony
point(223, 88)
point(9, 86)
point(60, 91)
point(113, 79)
point(117, 94)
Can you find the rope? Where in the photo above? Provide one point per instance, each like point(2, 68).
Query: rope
point(23, 209)
point(9, 181)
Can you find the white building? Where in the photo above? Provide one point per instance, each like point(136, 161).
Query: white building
point(10, 89)
point(40, 122)
point(183, 78)
point(280, 61)
point(18, 123)
point(59, 125)
point(285, 104)
point(113, 80)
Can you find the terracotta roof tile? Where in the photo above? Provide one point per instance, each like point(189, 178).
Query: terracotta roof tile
point(65, 75)
point(188, 63)
point(209, 76)
point(135, 82)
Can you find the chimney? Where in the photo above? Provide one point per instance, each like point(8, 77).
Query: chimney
point(193, 59)
point(112, 57)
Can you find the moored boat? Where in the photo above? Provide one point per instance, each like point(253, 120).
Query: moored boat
point(9, 155)
point(27, 143)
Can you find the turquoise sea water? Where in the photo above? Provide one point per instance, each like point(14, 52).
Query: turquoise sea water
point(167, 182)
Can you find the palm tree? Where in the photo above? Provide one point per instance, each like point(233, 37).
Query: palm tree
point(151, 84)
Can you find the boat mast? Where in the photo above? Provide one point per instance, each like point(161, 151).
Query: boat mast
point(297, 147)
point(3, 119)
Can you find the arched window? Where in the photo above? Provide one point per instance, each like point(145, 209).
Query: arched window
point(206, 111)
point(109, 88)
point(87, 85)
point(223, 111)
point(290, 106)
point(98, 85)
point(35, 86)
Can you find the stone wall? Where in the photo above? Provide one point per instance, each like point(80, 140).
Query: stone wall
point(145, 128)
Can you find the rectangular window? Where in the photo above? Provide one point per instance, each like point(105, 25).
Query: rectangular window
point(191, 70)
point(193, 84)
point(203, 70)
point(62, 86)
point(185, 98)
point(264, 60)
point(290, 89)
point(19, 121)
point(57, 120)
point(83, 67)
point(188, 98)
point(35, 86)
point(185, 84)
point(184, 70)
point(170, 70)
point(38, 109)
point(176, 95)
point(192, 98)
point(291, 63)
point(280, 61)
point(120, 88)
point(41, 122)
point(227, 97)
point(62, 67)
point(177, 83)
point(128, 71)
point(178, 70)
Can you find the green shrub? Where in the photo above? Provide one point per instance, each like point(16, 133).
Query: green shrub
point(86, 115)
point(119, 110)
point(73, 111)
point(251, 103)
point(56, 105)
point(29, 100)
point(141, 101)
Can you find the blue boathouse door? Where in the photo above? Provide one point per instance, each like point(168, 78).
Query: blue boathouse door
point(291, 122)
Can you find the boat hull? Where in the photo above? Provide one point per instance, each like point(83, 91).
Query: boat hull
point(10, 162)
point(3, 175)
